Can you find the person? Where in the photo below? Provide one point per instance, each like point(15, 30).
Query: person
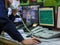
point(15, 17)
point(9, 11)
point(7, 26)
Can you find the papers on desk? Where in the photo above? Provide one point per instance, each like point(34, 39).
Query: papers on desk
point(21, 31)
point(54, 41)
point(18, 20)
point(23, 34)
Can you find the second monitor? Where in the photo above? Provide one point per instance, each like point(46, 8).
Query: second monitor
point(30, 13)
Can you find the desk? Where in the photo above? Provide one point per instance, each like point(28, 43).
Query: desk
point(8, 42)
point(53, 41)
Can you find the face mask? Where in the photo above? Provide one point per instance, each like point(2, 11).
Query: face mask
point(15, 4)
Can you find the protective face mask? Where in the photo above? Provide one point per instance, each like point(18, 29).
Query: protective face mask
point(15, 4)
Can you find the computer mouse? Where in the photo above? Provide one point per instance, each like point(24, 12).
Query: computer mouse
point(37, 40)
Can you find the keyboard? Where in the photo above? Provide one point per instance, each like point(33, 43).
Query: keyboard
point(44, 33)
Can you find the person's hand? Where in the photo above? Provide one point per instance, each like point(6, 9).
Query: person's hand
point(30, 41)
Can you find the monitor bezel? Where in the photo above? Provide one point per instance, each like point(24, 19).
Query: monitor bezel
point(57, 18)
point(28, 3)
point(38, 11)
point(53, 19)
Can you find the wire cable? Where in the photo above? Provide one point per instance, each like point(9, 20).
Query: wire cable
point(25, 24)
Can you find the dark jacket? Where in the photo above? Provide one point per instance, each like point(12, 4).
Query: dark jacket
point(3, 10)
point(7, 25)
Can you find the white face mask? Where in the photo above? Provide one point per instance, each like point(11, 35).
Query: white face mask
point(15, 4)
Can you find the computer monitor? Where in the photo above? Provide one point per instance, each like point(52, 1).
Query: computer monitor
point(32, 1)
point(24, 2)
point(58, 18)
point(46, 16)
point(35, 1)
point(30, 13)
point(28, 2)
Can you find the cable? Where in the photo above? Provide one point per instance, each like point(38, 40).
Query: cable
point(25, 25)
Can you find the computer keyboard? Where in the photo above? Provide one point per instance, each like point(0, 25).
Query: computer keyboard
point(44, 32)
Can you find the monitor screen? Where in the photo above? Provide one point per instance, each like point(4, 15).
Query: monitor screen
point(24, 2)
point(30, 13)
point(28, 2)
point(46, 16)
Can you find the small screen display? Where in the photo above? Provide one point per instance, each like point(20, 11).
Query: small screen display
point(30, 13)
